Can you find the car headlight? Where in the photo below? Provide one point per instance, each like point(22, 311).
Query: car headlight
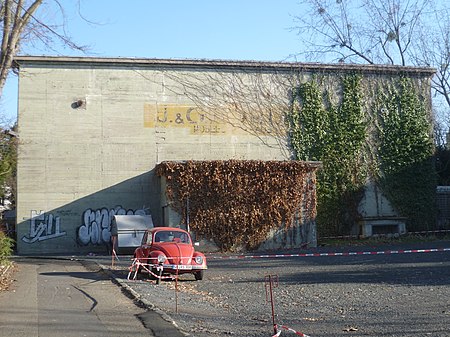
point(161, 258)
point(199, 259)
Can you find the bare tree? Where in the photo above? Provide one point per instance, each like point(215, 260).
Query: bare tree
point(369, 31)
point(19, 23)
point(14, 20)
point(413, 32)
point(255, 102)
point(433, 50)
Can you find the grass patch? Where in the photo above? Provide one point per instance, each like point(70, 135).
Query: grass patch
point(6, 248)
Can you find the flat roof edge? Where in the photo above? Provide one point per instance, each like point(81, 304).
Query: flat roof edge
point(127, 61)
point(314, 164)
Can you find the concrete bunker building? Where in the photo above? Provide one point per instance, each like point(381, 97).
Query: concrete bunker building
point(92, 130)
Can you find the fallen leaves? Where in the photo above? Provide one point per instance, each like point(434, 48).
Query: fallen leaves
point(6, 276)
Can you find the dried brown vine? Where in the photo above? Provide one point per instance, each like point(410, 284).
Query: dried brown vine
point(237, 203)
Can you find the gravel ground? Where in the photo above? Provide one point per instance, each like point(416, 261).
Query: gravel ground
point(365, 295)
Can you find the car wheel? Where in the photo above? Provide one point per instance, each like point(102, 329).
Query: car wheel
point(198, 275)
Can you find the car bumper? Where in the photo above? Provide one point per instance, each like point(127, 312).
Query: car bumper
point(183, 267)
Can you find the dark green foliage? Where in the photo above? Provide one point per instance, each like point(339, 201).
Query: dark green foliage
point(396, 154)
point(334, 135)
point(8, 167)
point(443, 166)
point(6, 247)
point(406, 150)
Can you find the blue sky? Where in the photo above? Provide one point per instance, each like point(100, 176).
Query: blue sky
point(200, 29)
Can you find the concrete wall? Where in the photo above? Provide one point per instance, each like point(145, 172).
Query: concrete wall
point(90, 136)
point(92, 130)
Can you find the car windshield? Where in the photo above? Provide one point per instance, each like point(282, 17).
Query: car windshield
point(172, 236)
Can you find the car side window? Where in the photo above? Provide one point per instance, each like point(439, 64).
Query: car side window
point(144, 238)
point(147, 238)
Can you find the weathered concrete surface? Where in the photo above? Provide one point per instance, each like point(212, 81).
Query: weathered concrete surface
point(92, 130)
point(63, 298)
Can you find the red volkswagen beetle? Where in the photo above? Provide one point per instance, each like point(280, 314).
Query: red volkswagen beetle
point(168, 250)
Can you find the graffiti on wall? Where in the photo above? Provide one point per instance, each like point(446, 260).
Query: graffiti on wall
point(96, 227)
point(43, 226)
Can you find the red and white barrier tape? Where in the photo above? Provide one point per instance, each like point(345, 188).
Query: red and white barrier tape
point(136, 265)
point(283, 327)
point(386, 252)
point(439, 231)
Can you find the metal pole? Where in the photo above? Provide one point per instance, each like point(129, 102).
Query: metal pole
point(187, 215)
point(271, 281)
point(273, 306)
point(176, 292)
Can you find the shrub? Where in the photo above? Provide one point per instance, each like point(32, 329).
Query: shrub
point(6, 248)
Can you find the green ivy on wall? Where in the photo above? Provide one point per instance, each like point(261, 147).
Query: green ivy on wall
point(406, 149)
point(335, 135)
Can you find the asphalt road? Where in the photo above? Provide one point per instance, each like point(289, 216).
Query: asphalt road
point(398, 295)
point(52, 298)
